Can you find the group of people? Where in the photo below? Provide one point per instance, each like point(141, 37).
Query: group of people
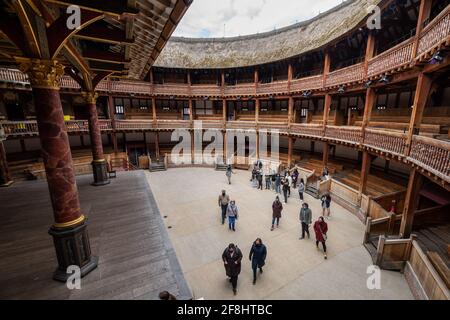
point(232, 257)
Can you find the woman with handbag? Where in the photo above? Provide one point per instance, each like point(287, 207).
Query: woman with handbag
point(321, 229)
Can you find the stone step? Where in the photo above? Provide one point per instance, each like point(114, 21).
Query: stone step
point(312, 192)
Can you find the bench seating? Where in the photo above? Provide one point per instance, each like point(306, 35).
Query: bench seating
point(376, 186)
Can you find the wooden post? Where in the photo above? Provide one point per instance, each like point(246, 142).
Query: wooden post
point(113, 122)
point(370, 51)
point(290, 142)
point(257, 144)
point(225, 156)
point(365, 171)
point(423, 89)
point(256, 81)
point(424, 14)
point(290, 109)
point(191, 110)
point(157, 145)
point(289, 77)
point(224, 110)
point(326, 109)
point(257, 110)
point(326, 67)
point(313, 146)
point(325, 153)
point(371, 98)
point(154, 109)
point(411, 203)
point(192, 147)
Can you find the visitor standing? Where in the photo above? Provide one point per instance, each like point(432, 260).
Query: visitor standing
point(321, 229)
point(278, 184)
point(232, 214)
point(224, 199)
point(326, 203)
point(301, 189)
point(277, 207)
point(231, 258)
point(305, 219)
point(259, 177)
point(285, 186)
point(228, 173)
point(289, 180)
point(273, 179)
point(295, 178)
point(268, 178)
point(257, 256)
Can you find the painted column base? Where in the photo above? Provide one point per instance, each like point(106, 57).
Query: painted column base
point(7, 184)
point(100, 172)
point(72, 248)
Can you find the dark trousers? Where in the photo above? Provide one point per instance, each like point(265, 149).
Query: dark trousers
point(285, 194)
point(224, 212)
point(289, 191)
point(300, 194)
point(260, 185)
point(323, 245)
point(254, 273)
point(305, 228)
point(233, 281)
point(277, 219)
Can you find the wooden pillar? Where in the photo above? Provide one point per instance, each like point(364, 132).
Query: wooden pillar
point(290, 109)
point(371, 98)
point(191, 110)
point(326, 109)
point(289, 77)
point(69, 230)
point(257, 106)
point(370, 51)
point(423, 89)
point(192, 147)
point(411, 203)
point(424, 14)
point(144, 136)
point(225, 159)
point(5, 176)
point(290, 145)
point(224, 110)
point(157, 145)
point(365, 171)
point(154, 109)
point(313, 146)
point(326, 67)
point(113, 122)
point(256, 81)
point(257, 144)
point(325, 153)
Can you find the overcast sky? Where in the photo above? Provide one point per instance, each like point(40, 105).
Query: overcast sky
point(218, 18)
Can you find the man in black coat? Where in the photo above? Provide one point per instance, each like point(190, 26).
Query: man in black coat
point(232, 257)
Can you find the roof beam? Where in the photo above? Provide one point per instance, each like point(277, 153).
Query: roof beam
point(100, 32)
point(104, 56)
point(115, 8)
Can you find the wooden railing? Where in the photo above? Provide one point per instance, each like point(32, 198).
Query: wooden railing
point(13, 75)
point(426, 274)
point(435, 33)
point(276, 87)
point(392, 254)
point(171, 89)
point(240, 89)
point(396, 57)
point(347, 134)
point(309, 83)
point(349, 74)
point(127, 86)
point(206, 90)
point(344, 192)
point(388, 141)
point(431, 154)
point(132, 125)
point(68, 83)
point(312, 130)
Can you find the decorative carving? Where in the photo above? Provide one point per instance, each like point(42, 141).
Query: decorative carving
point(43, 73)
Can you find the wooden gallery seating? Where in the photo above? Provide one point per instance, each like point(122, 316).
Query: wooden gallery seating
point(376, 186)
point(316, 165)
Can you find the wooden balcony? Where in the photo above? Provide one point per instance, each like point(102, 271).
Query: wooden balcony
point(432, 155)
point(206, 90)
point(134, 125)
point(280, 126)
point(312, 130)
point(351, 74)
point(181, 89)
point(173, 124)
point(394, 58)
point(240, 89)
point(277, 87)
point(352, 135)
point(392, 142)
point(13, 76)
point(244, 125)
point(20, 128)
point(435, 33)
point(127, 86)
point(77, 126)
point(308, 83)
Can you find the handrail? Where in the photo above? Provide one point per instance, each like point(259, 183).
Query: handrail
point(436, 32)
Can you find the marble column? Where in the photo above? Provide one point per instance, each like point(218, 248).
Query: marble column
point(69, 231)
point(99, 164)
point(5, 177)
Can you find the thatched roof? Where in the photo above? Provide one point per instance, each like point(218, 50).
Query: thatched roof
point(266, 47)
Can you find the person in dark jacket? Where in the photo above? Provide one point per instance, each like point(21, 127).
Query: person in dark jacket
point(232, 257)
point(325, 203)
point(305, 217)
point(285, 187)
point(259, 177)
point(321, 229)
point(229, 172)
point(278, 184)
point(277, 207)
point(301, 189)
point(257, 256)
point(165, 295)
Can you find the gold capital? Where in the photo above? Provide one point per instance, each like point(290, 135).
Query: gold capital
point(90, 97)
point(42, 73)
point(70, 223)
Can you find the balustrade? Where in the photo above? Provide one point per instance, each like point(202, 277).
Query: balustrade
point(240, 89)
point(347, 134)
point(181, 89)
point(305, 84)
point(387, 141)
point(349, 74)
point(276, 87)
point(134, 125)
point(127, 86)
point(312, 130)
point(77, 126)
point(435, 33)
point(206, 90)
point(431, 154)
point(19, 127)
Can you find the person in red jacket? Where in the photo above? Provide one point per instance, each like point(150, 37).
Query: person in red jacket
point(321, 229)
